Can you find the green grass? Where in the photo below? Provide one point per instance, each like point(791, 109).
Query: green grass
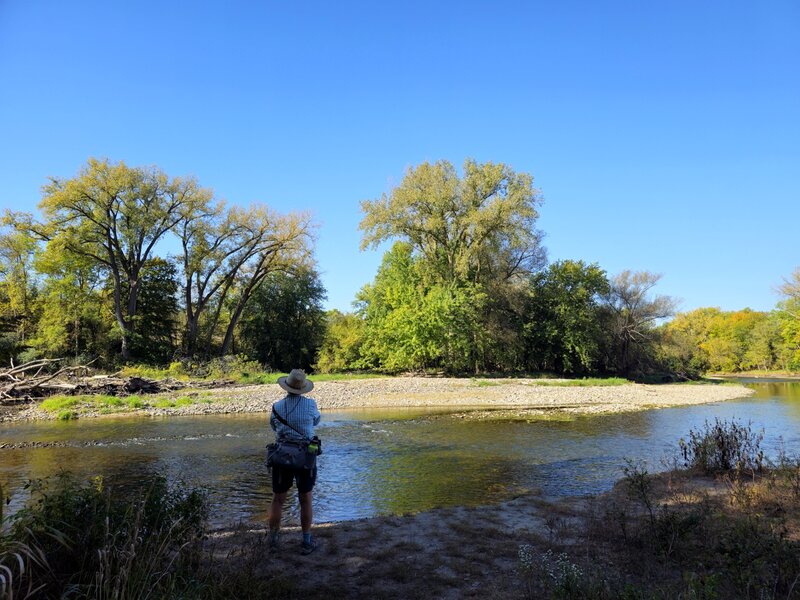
point(70, 407)
point(67, 415)
point(587, 382)
point(255, 378)
point(100, 402)
point(185, 400)
point(485, 383)
point(338, 376)
point(708, 382)
point(59, 403)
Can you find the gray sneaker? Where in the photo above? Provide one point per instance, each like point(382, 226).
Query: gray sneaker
point(307, 548)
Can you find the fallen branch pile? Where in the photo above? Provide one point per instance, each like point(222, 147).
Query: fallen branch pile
point(35, 379)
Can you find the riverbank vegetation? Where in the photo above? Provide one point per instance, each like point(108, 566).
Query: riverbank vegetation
point(723, 522)
point(129, 267)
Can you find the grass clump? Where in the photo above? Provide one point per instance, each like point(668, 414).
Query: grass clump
point(185, 400)
point(485, 383)
point(81, 540)
point(723, 446)
point(586, 382)
point(56, 404)
point(63, 405)
point(681, 534)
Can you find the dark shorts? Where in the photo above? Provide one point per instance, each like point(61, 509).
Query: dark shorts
point(282, 478)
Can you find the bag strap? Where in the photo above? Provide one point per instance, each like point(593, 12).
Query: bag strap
point(285, 422)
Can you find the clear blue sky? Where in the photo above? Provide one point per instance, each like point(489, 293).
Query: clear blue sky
point(664, 136)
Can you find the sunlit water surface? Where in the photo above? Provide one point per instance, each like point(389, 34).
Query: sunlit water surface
point(385, 461)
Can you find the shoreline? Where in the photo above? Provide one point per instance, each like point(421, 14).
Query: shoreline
point(526, 547)
point(513, 397)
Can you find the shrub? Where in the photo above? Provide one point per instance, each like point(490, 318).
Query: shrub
point(81, 540)
point(67, 415)
point(723, 447)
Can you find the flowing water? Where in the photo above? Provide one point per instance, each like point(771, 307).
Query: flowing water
point(384, 461)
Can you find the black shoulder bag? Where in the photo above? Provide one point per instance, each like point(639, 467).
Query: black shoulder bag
point(293, 454)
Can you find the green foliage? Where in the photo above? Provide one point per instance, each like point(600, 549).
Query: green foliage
point(563, 330)
point(341, 346)
point(75, 317)
point(237, 367)
point(709, 339)
point(85, 540)
point(175, 370)
point(227, 255)
point(18, 288)
point(154, 338)
point(723, 446)
point(113, 216)
point(788, 323)
point(447, 294)
point(411, 325)
point(284, 323)
point(474, 228)
point(460, 291)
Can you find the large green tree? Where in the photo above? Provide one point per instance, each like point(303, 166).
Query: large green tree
point(116, 215)
point(156, 333)
point(75, 316)
point(283, 325)
point(789, 316)
point(227, 254)
point(563, 329)
point(445, 297)
point(471, 228)
point(18, 287)
point(340, 350)
point(412, 324)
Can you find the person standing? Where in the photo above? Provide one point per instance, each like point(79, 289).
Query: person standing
point(302, 415)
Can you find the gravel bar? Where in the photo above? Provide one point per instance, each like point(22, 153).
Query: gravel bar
point(457, 393)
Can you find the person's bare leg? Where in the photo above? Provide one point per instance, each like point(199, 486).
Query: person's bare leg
point(275, 510)
point(306, 511)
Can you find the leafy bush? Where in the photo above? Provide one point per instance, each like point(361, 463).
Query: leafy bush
point(723, 447)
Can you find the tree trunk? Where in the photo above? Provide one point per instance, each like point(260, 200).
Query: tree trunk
point(228, 341)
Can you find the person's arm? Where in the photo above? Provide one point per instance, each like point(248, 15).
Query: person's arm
point(316, 414)
point(273, 422)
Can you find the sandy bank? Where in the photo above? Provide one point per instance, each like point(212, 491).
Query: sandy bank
point(500, 550)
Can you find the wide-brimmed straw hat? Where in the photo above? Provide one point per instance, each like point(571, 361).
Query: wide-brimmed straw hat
point(296, 382)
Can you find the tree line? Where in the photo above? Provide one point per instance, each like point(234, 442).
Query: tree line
point(128, 264)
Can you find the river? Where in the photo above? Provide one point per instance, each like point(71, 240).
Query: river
point(384, 461)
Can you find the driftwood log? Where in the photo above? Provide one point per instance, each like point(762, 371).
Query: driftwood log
point(38, 379)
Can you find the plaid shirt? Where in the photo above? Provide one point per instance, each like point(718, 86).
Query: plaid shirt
point(301, 412)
